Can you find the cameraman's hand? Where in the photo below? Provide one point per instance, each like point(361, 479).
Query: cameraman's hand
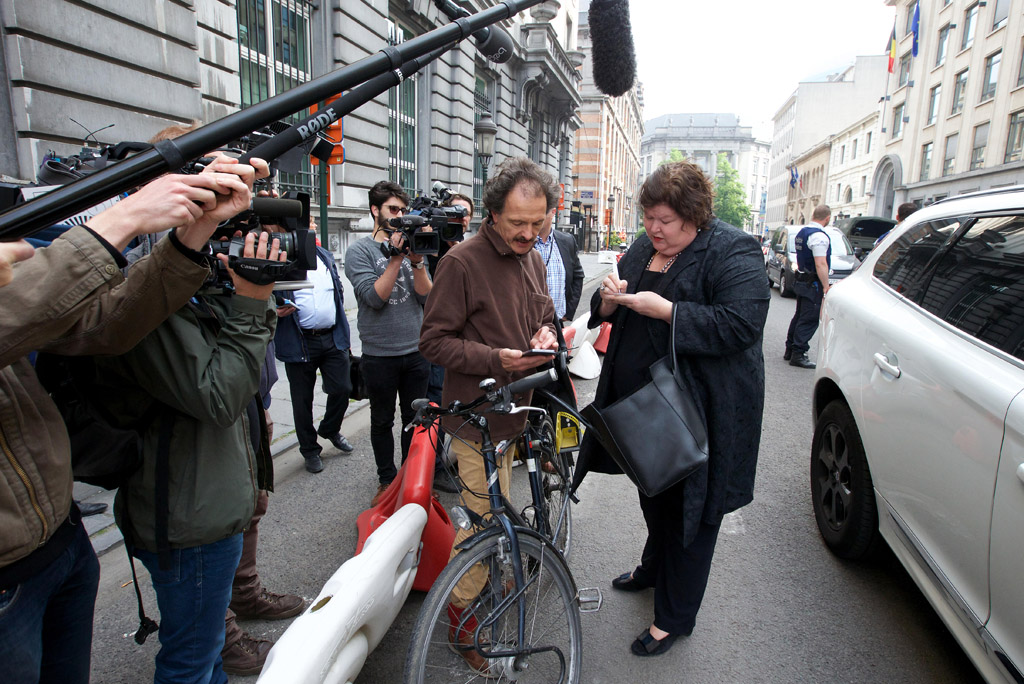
point(10, 253)
point(259, 250)
point(255, 169)
point(397, 240)
point(170, 201)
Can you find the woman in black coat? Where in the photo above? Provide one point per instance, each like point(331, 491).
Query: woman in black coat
point(711, 275)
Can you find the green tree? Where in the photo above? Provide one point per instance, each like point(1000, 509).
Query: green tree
point(673, 156)
point(730, 196)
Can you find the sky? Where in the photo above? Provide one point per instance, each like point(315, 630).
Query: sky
point(746, 57)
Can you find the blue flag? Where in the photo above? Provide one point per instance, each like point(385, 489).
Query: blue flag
point(794, 177)
point(915, 26)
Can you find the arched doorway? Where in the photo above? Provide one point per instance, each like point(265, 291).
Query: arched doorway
point(888, 175)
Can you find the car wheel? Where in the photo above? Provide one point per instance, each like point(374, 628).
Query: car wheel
point(841, 488)
point(785, 286)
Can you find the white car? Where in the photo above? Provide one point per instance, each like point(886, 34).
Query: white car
point(918, 414)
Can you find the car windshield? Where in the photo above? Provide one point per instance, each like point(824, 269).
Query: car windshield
point(840, 245)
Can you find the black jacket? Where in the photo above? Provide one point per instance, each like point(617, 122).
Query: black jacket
point(573, 271)
point(721, 298)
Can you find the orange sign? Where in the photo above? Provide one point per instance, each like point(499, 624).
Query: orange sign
point(561, 196)
point(607, 217)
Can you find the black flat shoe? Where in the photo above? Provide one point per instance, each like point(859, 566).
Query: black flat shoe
point(626, 582)
point(647, 645)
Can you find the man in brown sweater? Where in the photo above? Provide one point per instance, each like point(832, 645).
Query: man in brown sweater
point(489, 303)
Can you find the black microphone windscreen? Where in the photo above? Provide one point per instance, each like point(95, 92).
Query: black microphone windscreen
point(272, 206)
point(614, 59)
point(496, 46)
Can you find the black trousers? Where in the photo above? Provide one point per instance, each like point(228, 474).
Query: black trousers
point(805, 320)
point(678, 573)
point(333, 365)
point(387, 378)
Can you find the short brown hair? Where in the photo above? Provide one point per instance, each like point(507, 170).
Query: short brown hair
point(822, 211)
point(683, 187)
point(465, 198)
point(905, 210)
point(174, 131)
point(382, 191)
point(515, 172)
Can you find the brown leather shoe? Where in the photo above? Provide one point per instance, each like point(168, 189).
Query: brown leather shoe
point(461, 641)
point(376, 497)
point(269, 606)
point(246, 656)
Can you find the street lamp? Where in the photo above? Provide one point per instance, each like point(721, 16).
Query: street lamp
point(485, 130)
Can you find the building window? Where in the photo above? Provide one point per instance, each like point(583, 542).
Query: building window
point(940, 54)
point(933, 104)
point(1015, 138)
point(402, 122)
point(959, 92)
point(970, 22)
point(1020, 67)
point(904, 75)
point(909, 26)
point(949, 160)
point(483, 97)
point(926, 160)
point(867, 144)
point(853, 150)
point(1000, 13)
point(978, 148)
point(274, 56)
point(988, 84)
point(897, 120)
point(863, 185)
point(842, 154)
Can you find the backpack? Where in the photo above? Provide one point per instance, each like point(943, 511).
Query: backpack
point(103, 453)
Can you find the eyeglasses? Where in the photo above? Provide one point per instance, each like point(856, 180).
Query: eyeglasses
point(394, 209)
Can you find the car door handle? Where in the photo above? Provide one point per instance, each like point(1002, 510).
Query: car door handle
point(882, 361)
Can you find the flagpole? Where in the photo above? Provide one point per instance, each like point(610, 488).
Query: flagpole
point(888, 73)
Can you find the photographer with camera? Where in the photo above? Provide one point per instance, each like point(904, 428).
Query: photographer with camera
point(71, 298)
point(391, 285)
point(188, 385)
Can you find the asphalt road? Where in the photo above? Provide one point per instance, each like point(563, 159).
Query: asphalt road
point(779, 607)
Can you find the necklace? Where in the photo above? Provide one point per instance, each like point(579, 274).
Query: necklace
point(667, 265)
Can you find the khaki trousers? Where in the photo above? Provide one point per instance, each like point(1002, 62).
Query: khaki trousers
point(471, 470)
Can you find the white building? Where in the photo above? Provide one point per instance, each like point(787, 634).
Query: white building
point(855, 152)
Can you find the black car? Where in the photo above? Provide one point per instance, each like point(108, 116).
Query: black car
point(862, 231)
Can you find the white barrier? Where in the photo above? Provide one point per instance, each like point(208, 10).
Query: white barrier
point(607, 257)
point(586, 363)
point(329, 642)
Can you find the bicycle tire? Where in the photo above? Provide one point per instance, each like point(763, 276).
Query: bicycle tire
point(555, 487)
point(552, 617)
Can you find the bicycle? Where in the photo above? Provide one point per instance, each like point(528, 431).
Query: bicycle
point(524, 624)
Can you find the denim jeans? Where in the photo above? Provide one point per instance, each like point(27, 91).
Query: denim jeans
point(387, 378)
point(46, 621)
point(193, 595)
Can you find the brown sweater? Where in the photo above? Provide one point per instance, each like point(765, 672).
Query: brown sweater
point(485, 298)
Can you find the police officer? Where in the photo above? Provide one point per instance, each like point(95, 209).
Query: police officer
point(814, 261)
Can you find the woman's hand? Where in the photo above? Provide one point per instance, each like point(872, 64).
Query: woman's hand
point(612, 290)
point(646, 303)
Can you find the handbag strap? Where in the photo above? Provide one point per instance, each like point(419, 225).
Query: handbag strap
point(672, 340)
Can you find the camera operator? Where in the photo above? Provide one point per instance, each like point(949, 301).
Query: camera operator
point(71, 298)
point(188, 384)
point(390, 293)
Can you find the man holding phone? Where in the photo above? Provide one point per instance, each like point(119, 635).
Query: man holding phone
point(470, 330)
point(313, 334)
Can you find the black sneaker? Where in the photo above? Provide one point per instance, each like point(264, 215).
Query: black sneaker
point(801, 361)
point(314, 464)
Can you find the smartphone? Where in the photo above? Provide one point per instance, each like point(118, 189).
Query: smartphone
point(540, 352)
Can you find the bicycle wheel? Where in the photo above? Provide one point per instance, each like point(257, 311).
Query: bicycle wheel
point(552, 648)
point(556, 478)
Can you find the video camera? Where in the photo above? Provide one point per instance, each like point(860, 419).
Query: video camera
point(427, 223)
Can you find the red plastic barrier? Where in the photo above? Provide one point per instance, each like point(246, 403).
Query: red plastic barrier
point(569, 334)
point(601, 343)
point(413, 484)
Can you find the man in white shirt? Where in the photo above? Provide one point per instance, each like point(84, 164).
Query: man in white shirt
point(814, 261)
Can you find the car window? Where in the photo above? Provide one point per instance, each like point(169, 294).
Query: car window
point(904, 264)
point(873, 228)
point(978, 284)
point(840, 245)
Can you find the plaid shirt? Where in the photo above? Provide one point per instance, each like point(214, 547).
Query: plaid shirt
point(556, 272)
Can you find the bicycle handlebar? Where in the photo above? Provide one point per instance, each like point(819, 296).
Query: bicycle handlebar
point(532, 382)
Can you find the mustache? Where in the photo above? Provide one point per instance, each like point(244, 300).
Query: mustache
point(525, 241)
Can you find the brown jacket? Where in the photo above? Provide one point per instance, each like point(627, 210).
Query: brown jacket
point(485, 298)
point(69, 298)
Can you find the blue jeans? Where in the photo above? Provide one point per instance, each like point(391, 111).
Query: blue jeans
point(193, 594)
point(46, 621)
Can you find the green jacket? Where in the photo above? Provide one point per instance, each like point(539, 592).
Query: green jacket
point(203, 367)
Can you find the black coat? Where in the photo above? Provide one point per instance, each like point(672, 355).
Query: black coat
point(573, 271)
point(721, 298)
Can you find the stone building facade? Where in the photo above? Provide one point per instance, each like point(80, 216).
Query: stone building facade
point(812, 186)
point(855, 152)
point(700, 138)
point(146, 64)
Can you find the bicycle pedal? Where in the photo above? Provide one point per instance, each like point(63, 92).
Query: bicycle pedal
point(590, 599)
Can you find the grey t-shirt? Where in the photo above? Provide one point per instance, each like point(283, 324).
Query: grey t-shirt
point(388, 327)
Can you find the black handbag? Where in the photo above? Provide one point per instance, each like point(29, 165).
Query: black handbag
point(355, 374)
point(657, 434)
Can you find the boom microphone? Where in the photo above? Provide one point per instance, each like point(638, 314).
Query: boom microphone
point(612, 38)
point(492, 41)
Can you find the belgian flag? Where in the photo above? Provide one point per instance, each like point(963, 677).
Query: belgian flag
point(892, 49)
